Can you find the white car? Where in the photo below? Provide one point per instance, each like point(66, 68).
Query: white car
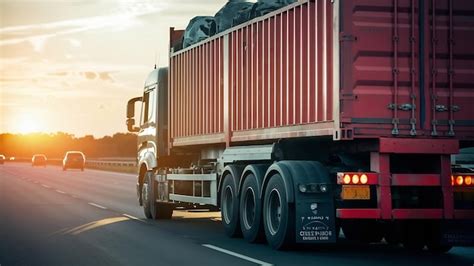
point(74, 159)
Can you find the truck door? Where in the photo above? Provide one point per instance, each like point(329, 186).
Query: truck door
point(406, 67)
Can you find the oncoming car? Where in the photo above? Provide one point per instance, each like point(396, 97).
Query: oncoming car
point(74, 159)
point(2, 158)
point(39, 160)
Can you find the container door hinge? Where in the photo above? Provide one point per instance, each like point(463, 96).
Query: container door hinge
point(413, 127)
point(395, 130)
point(434, 131)
point(403, 107)
point(451, 128)
point(444, 108)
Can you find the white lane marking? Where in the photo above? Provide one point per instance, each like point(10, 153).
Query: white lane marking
point(133, 217)
point(60, 191)
point(259, 262)
point(97, 205)
point(130, 216)
point(36, 182)
point(46, 186)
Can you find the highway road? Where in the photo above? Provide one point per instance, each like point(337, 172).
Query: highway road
point(51, 217)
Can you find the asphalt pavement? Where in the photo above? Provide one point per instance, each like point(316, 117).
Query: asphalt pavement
point(52, 217)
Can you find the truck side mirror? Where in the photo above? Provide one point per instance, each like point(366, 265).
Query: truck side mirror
point(131, 114)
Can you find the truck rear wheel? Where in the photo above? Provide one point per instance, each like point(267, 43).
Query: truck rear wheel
point(413, 235)
point(365, 231)
point(251, 210)
point(278, 215)
point(433, 239)
point(230, 206)
point(438, 249)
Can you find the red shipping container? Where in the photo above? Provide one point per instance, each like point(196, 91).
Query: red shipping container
point(345, 69)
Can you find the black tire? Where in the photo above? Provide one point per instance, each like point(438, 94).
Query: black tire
point(160, 210)
point(278, 215)
point(251, 211)
point(413, 236)
point(438, 249)
point(146, 190)
point(230, 207)
point(433, 239)
point(156, 210)
point(391, 239)
point(365, 231)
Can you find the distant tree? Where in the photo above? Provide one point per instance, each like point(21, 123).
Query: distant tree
point(55, 145)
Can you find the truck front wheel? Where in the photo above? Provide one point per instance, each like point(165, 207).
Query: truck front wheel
point(278, 215)
point(153, 209)
point(146, 195)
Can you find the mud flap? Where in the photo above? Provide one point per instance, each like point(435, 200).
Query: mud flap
point(315, 221)
point(457, 233)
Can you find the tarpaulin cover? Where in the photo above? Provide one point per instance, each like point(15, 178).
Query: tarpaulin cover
point(198, 29)
point(258, 9)
point(224, 17)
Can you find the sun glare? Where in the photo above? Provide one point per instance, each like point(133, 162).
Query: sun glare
point(29, 124)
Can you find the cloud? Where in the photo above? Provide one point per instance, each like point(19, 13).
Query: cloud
point(75, 43)
point(89, 75)
point(38, 34)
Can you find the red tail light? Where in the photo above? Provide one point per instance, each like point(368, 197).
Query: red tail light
point(468, 180)
point(357, 178)
point(461, 180)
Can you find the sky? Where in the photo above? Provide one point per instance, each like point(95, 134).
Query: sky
point(71, 65)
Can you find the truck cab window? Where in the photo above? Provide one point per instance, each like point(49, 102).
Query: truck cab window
point(148, 114)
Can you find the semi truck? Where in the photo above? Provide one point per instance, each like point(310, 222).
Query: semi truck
point(322, 117)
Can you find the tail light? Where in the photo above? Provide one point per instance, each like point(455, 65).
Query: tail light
point(357, 178)
point(461, 180)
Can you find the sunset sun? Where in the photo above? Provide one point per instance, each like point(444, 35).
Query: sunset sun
point(29, 124)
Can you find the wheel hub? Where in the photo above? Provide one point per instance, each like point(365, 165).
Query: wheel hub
point(274, 211)
point(145, 192)
point(227, 206)
point(249, 208)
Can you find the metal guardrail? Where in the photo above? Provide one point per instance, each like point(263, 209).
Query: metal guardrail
point(110, 163)
point(125, 162)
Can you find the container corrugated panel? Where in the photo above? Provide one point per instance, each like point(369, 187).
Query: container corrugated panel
point(280, 80)
point(407, 68)
point(196, 93)
point(281, 69)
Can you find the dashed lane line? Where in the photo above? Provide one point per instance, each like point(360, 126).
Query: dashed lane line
point(133, 217)
point(97, 205)
point(60, 191)
point(45, 186)
point(240, 256)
